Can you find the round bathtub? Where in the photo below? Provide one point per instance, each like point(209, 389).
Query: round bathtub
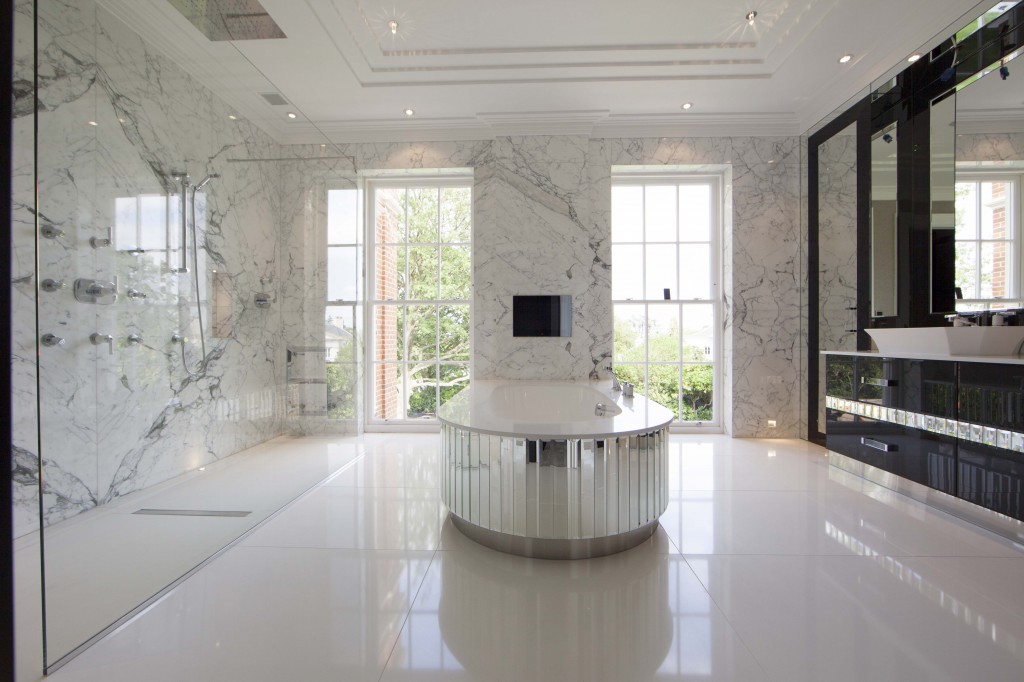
point(554, 469)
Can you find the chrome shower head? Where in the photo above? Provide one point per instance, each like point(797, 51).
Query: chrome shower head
point(202, 183)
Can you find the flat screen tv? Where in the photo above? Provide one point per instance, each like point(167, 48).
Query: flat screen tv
point(542, 316)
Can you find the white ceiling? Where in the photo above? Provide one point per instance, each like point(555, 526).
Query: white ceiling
point(478, 68)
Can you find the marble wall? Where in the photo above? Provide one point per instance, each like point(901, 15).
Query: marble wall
point(116, 121)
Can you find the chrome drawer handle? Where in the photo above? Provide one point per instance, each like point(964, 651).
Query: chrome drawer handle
point(879, 382)
point(878, 445)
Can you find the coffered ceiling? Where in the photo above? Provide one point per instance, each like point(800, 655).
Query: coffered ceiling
point(349, 69)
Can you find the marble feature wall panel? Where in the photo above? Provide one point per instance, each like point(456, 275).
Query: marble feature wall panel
point(802, 365)
point(984, 148)
point(761, 248)
point(535, 233)
point(117, 120)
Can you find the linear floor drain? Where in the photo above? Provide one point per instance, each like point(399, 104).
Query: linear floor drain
point(190, 512)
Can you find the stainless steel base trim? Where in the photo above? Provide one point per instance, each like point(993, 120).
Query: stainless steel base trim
point(992, 521)
point(190, 512)
point(553, 548)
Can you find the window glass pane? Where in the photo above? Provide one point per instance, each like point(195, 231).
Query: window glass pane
point(423, 216)
point(663, 333)
point(341, 390)
point(698, 333)
point(390, 273)
point(420, 332)
point(339, 333)
point(422, 273)
point(627, 272)
point(966, 210)
point(125, 223)
point(456, 214)
point(456, 273)
point(695, 213)
point(342, 276)
point(628, 214)
point(697, 392)
point(695, 271)
point(454, 332)
point(994, 200)
point(389, 215)
point(388, 322)
point(663, 386)
point(342, 218)
point(387, 382)
point(422, 392)
point(153, 223)
point(630, 333)
point(967, 268)
point(661, 271)
point(994, 270)
point(453, 378)
point(660, 213)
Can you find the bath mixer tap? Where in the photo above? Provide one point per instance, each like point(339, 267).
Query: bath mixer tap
point(616, 386)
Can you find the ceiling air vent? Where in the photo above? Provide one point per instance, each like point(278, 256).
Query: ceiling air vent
point(229, 19)
point(274, 98)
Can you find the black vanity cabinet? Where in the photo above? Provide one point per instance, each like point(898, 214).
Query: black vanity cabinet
point(953, 426)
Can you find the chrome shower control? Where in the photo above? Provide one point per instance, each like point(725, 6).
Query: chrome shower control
point(97, 339)
point(51, 340)
point(51, 232)
point(52, 285)
point(95, 291)
point(134, 294)
point(98, 243)
point(134, 339)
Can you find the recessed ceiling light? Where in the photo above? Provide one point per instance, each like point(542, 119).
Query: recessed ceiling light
point(845, 58)
point(232, 117)
point(393, 27)
point(686, 106)
point(751, 15)
point(292, 114)
point(409, 112)
point(913, 58)
point(93, 123)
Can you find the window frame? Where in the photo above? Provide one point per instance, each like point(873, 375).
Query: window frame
point(1015, 293)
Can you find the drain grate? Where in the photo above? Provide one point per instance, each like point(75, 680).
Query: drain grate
point(190, 512)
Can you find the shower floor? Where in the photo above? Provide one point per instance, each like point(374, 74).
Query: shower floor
point(102, 564)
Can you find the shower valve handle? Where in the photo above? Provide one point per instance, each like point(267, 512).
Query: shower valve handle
point(98, 339)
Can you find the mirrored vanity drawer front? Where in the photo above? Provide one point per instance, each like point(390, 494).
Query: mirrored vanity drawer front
point(839, 375)
point(992, 478)
point(926, 386)
point(992, 395)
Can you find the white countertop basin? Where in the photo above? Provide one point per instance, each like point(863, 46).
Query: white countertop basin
point(949, 341)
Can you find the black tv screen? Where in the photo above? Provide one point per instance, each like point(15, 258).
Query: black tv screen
point(542, 316)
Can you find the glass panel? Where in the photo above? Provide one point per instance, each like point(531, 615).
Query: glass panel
point(339, 333)
point(456, 272)
point(423, 216)
point(630, 333)
point(628, 214)
point(661, 271)
point(627, 268)
point(388, 321)
point(967, 268)
point(695, 271)
point(966, 210)
point(994, 200)
point(663, 386)
point(663, 333)
point(342, 216)
point(390, 274)
point(153, 223)
point(422, 391)
point(453, 378)
point(660, 213)
point(422, 273)
point(456, 214)
point(342, 275)
point(994, 270)
point(697, 392)
point(698, 333)
point(454, 332)
point(695, 213)
point(387, 382)
point(389, 220)
point(420, 332)
point(341, 391)
point(126, 223)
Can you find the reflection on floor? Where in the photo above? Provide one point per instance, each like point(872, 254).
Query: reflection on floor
point(769, 565)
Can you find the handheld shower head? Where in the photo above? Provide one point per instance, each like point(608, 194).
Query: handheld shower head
point(202, 183)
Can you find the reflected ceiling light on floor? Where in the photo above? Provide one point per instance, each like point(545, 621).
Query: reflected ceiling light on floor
point(913, 58)
point(409, 112)
point(687, 106)
point(845, 58)
point(751, 15)
point(292, 115)
point(393, 27)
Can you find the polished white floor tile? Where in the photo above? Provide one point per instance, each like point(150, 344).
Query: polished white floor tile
point(357, 518)
point(715, 462)
point(864, 618)
point(638, 615)
point(395, 461)
point(267, 614)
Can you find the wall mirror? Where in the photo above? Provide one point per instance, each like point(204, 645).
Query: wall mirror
point(884, 243)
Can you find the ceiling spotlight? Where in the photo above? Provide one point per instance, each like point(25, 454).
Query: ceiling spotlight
point(93, 123)
point(232, 117)
point(686, 106)
point(393, 27)
point(845, 58)
point(292, 115)
point(409, 112)
point(913, 58)
point(751, 15)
